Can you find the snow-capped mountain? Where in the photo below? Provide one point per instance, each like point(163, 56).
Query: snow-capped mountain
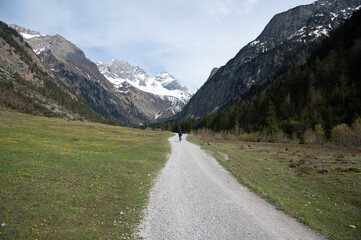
point(39, 42)
point(163, 85)
point(132, 101)
point(286, 41)
point(322, 17)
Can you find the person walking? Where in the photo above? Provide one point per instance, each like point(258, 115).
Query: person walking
point(180, 135)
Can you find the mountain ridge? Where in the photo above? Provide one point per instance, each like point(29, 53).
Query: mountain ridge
point(163, 84)
point(29, 86)
point(71, 66)
point(315, 102)
point(262, 59)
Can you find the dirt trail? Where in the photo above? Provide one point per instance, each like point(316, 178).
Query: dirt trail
point(195, 198)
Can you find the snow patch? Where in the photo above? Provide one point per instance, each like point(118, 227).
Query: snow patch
point(320, 30)
point(29, 36)
point(299, 33)
point(39, 50)
point(254, 43)
point(334, 16)
point(157, 115)
point(115, 81)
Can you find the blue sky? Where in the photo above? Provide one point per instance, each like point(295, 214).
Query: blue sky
point(184, 37)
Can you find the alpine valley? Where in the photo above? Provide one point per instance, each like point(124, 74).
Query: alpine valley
point(118, 91)
point(124, 93)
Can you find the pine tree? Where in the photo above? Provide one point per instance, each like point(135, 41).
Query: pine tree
point(271, 119)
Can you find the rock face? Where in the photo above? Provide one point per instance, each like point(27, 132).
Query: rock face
point(122, 102)
point(284, 41)
point(28, 85)
point(168, 82)
point(169, 97)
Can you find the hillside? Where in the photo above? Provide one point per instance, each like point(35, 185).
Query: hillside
point(287, 41)
point(326, 91)
point(26, 84)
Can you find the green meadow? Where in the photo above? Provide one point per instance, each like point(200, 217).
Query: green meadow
point(74, 180)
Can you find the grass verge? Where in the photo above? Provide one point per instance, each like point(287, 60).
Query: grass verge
point(318, 185)
point(74, 180)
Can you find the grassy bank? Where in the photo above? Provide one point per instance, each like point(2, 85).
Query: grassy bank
point(318, 185)
point(74, 180)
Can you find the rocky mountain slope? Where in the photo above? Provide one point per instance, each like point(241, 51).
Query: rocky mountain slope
point(317, 101)
point(26, 84)
point(163, 86)
point(122, 102)
point(286, 41)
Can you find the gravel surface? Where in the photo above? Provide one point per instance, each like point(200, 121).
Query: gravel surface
point(195, 198)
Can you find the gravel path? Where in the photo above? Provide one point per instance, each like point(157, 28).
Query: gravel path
point(195, 198)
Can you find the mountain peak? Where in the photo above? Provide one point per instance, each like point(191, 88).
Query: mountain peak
point(115, 61)
point(164, 76)
point(24, 32)
point(163, 84)
point(306, 22)
point(118, 69)
point(169, 82)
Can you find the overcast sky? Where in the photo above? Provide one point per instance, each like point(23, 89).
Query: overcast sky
point(184, 37)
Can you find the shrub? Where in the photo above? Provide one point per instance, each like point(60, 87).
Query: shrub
point(310, 137)
point(251, 137)
point(342, 135)
point(204, 134)
point(356, 130)
point(316, 136)
point(280, 137)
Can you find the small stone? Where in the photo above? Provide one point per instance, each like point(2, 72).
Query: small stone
point(3, 224)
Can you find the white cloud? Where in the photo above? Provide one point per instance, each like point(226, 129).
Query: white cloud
point(228, 7)
point(250, 5)
point(220, 7)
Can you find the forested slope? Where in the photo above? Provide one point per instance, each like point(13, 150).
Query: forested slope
point(326, 91)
